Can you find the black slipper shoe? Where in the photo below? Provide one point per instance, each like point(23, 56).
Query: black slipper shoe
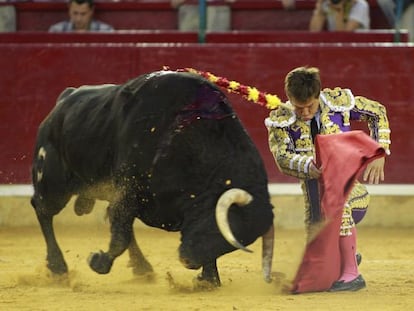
point(352, 286)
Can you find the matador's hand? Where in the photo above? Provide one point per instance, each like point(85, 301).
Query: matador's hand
point(374, 173)
point(314, 172)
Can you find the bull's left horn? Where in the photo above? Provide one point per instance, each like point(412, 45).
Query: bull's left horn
point(231, 196)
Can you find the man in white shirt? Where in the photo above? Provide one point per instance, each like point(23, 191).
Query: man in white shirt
point(81, 19)
point(7, 18)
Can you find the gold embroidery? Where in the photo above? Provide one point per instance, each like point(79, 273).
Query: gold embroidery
point(292, 156)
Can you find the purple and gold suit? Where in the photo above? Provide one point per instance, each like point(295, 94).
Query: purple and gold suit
point(291, 144)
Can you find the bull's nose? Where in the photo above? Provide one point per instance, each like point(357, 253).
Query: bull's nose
point(188, 264)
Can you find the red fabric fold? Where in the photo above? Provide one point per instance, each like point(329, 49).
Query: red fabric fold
point(343, 157)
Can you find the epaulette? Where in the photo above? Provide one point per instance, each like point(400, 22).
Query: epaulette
point(283, 116)
point(337, 99)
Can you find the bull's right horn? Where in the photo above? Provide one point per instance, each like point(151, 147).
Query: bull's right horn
point(267, 253)
point(231, 196)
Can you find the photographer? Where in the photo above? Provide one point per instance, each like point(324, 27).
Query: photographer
point(340, 15)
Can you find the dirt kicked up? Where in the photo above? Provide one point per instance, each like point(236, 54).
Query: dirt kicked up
point(26, 284)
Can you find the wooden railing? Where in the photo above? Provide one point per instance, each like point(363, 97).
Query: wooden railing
point(174, 36)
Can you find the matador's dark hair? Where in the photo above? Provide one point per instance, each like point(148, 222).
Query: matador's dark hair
point(303, 83)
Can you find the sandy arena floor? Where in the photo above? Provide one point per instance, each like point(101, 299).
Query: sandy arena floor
point(25, 283)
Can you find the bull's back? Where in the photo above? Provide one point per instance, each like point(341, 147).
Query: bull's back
point(101, 130)
point(95, 128)
point(159, 107)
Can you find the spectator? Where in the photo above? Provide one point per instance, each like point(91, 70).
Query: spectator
point(340, 15)
point(288, 4)
point(388, 8)
point(218, 15)
point(406, 18)
point(399, 14)
point(292, 128)
point(7, 18)
point(81, 18)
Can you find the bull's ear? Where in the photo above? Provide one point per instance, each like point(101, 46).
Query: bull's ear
point(65, 94)
point(232, 196)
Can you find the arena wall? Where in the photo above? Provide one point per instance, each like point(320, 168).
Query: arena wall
point(33, 75)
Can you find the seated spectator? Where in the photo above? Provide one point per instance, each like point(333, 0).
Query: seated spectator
point(400, 14)
point(288, 4)
point(340, 15)
point(388, 8)
point(81, 18)
point(405, 18)
point(218, 15)
point(7, 18)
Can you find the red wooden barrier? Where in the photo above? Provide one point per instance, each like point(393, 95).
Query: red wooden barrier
point(292, 36)
point(34, 74)
point(136, 36)
point(174, 36)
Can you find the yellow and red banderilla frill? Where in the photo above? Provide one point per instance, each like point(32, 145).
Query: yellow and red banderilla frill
point(252, 94)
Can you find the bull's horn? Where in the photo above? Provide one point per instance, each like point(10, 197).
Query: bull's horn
point(231, 196)
point(267, 253)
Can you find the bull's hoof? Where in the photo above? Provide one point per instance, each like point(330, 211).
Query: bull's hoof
point(56, 263)
point(57, 268)
point(100, 262)
point(207, 284)
point(141, 268)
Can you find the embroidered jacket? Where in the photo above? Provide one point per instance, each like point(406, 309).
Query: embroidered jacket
point(290, 139)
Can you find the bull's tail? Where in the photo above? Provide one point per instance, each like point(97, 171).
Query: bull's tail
point(264, 99)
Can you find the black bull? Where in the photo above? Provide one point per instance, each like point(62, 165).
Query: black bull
point(166, 148)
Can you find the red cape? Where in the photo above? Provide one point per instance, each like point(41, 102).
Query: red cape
point(343, 156)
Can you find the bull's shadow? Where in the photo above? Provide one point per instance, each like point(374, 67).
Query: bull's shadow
point(165, 147)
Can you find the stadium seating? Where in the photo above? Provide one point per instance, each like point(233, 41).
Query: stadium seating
point(158, 14)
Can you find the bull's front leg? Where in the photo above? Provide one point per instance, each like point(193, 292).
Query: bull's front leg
point(121, 219)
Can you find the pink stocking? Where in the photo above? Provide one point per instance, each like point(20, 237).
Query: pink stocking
point(347, 246)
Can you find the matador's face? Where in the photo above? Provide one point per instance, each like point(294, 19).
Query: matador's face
point(305, 110)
